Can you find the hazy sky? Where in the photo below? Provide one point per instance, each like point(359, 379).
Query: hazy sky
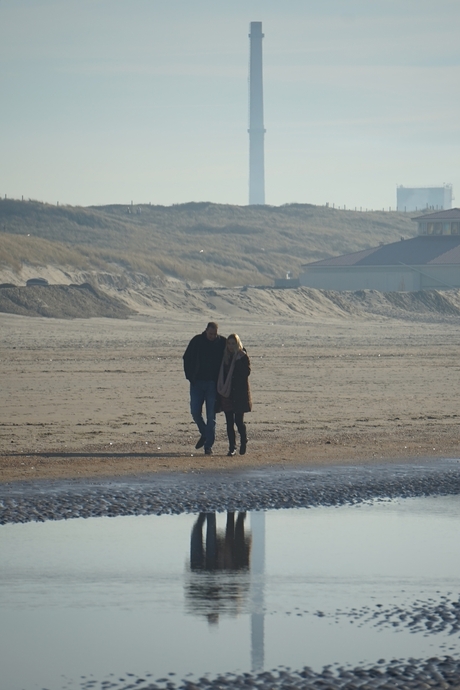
point(108, 101)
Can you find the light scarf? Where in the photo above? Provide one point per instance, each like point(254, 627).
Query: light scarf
point(224, 388)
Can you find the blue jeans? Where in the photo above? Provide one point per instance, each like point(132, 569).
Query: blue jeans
point(204, 392)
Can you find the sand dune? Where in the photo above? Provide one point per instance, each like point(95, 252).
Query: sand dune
point(62, 302)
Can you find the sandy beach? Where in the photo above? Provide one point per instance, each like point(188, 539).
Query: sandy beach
point(107, 397)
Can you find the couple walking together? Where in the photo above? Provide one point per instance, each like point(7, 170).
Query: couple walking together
point(218, 369)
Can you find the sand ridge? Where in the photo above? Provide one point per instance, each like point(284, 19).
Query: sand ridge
point(90, 294)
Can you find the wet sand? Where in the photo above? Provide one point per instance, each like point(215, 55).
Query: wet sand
point(103, 397)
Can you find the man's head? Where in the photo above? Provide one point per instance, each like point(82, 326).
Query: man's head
point(211, 330)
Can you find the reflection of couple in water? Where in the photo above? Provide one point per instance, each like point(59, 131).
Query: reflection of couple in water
point(229, 551)
point(218, 565)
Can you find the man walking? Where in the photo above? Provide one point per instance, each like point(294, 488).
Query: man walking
point(202, 360)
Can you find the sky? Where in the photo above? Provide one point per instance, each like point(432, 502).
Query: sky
point(113, 101)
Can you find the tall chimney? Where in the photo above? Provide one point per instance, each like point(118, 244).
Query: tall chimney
point(256, 117)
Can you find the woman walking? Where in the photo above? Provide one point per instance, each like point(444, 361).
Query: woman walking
point(234, 392)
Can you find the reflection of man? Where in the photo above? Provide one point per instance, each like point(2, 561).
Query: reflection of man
point(200, 558)
point(202, 360)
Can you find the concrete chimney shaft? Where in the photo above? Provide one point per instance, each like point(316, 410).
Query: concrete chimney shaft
point(256, 117)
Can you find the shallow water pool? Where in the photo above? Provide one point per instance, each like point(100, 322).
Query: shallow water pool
point(193, 594)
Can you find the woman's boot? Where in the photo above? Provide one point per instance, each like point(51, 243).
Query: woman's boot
point(231, 442)
point(243, 440)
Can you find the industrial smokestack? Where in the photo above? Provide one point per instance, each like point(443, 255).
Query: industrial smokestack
point(256, 117)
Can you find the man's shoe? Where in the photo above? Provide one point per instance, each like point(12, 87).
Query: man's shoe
point(243, 447)
point(208, 451)
point(200, 442)
point(231, 452)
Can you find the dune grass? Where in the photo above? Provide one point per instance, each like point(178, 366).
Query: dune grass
point(230, 245)
point(15, 250)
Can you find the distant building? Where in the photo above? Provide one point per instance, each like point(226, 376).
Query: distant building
point(421, 198)
point(429, 261)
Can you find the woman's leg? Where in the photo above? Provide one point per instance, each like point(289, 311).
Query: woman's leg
point(230, 419)
point(241, 426)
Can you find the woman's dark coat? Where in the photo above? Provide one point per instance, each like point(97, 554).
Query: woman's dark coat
point(241, 393)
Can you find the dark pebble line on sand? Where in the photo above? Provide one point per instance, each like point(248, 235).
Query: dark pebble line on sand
point(398, 674)
point(195, 492)
point(429, 617)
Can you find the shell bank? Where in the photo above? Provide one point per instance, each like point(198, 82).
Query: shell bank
point(429, 261)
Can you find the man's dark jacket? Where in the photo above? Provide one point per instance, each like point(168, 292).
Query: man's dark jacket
point(203, 357)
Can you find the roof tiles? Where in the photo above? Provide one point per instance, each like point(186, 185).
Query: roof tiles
point(418, 251)
point(448, 214)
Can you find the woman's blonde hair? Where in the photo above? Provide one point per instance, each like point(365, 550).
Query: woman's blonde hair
point(239, 345)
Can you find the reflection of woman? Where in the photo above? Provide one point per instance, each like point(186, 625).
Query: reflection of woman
point(234, 392)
